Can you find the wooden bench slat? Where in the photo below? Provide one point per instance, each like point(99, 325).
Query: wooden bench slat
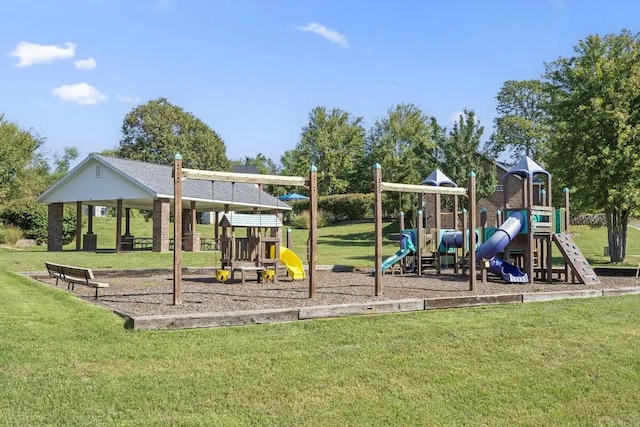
point(74, 275)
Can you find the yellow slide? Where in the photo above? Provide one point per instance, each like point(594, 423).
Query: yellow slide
point(293, 263)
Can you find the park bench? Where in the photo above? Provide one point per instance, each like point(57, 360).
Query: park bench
point(74, 275)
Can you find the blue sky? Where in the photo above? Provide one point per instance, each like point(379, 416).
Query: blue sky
point(252, 70)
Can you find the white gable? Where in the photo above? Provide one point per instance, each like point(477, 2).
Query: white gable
point(94, 181)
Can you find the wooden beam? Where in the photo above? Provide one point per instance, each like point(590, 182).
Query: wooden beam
point(313, 230)
point(422, 189)
point(243, 177)
point(177, 230)
point(377, 213)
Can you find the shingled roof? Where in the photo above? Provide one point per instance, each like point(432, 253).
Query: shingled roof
point(155, 181)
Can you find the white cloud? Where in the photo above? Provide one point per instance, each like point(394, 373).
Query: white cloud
point(324, 32)
point(85, 64)
point(82, 93)
point(127, 99)
point(31, 53)
point(455, 117)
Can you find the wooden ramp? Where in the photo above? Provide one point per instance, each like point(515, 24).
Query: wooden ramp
point(575, 260)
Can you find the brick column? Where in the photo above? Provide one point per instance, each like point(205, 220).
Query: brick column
point(161, 225)
point(54, 238)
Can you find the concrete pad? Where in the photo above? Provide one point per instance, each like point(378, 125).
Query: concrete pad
point(471, 301)
point(209, 320)
point(549, 296)
point(340, 310)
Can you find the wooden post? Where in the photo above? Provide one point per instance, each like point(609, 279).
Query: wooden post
point(419, 248)
point(565, 191)
point(472, 230)
point(456, 226)
point(289, 239)
point(177, 230)
point(78, 226)
point(437, 212)
point(118, 225)
point(313, 229)
point(377, 214)
point(465, 242)
point(530, 238)
point(484, 219)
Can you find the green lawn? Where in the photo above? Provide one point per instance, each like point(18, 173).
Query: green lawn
point(572, 362)
point(343, 244)
point(66, 362)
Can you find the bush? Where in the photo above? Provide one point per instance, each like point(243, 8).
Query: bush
point(31, 218)
point(592, 220)
point(340, 207)
point(10, 235)
point(302, 220)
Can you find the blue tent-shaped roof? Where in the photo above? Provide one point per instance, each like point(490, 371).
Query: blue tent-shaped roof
point(439, 179)
point(526, 168)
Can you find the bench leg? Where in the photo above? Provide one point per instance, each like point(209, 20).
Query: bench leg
point(96, 293)
point(242, 277)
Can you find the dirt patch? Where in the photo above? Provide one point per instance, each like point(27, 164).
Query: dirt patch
point(153, 294)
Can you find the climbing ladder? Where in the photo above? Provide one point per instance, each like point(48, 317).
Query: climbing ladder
point(575, 260)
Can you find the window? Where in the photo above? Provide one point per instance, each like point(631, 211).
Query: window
point(98, 171)
point(500, 187)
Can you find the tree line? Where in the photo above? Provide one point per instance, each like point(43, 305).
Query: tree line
point(580, 119)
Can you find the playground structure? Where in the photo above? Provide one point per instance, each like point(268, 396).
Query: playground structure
point(518, 249)
point(264, 250)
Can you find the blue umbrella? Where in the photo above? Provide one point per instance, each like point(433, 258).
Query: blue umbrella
point(292, 197)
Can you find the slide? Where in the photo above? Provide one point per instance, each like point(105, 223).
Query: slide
point(292, 263)
point(496, 244)
point(406, 247)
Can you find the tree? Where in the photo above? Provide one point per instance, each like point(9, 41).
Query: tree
point(19, 156)
point(461, 154)
point(521, 127)
point(333, 141)
point(154, 132)
point(595, 121)
point(403, 144)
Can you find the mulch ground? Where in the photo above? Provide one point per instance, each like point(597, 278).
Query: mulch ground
point(152, 294)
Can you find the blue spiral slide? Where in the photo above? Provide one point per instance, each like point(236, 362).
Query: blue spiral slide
point(496, 244)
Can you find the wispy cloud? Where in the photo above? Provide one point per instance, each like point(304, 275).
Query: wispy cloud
point(85, 64)
point(81, 93)
point(32, 53)
point(127, 99)
point(326, 33)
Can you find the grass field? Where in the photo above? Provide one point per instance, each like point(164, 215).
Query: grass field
point(343, 244)
point(572, 362)
point(66, 362)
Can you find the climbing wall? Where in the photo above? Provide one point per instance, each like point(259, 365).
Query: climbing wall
point(575, 260)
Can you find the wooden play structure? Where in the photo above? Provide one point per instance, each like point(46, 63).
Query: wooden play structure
point(422, 244)
point(534, 230)
point(260, 246)
point(518, 249)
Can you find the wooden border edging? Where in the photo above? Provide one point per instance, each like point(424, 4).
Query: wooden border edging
point(208, 320)
point(341, 310)
point(255, 317)
point(554, 295)
point(471, 301)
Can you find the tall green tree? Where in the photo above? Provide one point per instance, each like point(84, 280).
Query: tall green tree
point(521, 127)
point(20, 157)
point(403, 143)
point(154, 132)
point(595, 117)
point(462, 153)
point(333, 141)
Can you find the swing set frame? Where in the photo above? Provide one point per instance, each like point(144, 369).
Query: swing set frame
point(180, 174)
